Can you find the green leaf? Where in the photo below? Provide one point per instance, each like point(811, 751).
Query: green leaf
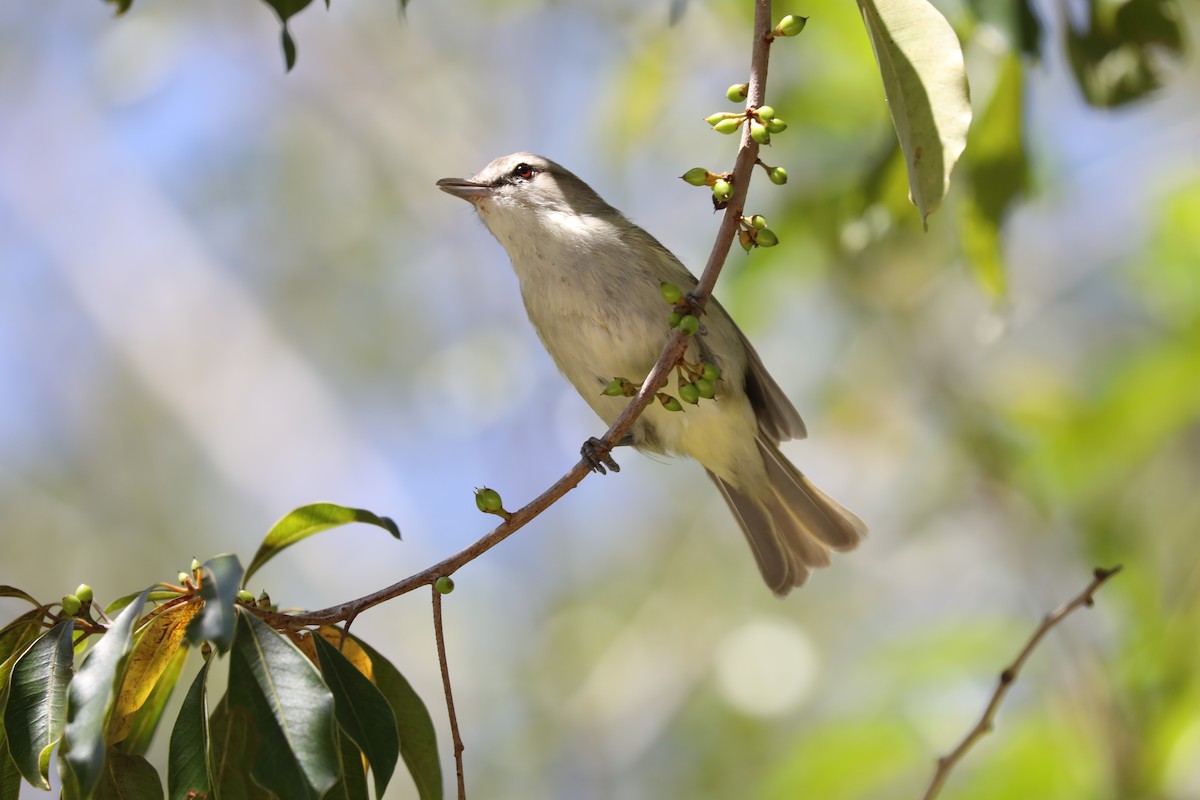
point(145, 721)
point(219, 586)
point(122, 5)
point(126, 776)
point(187, 759)
point(291, 710)
point(362, 712)
point(12, 591)
point(1114, 55)
point(921, 62)
point(418, 739)
point(91, 698)
point(352, 778)
point(16, 636)
point(234, 744)
point(10, 776)
point(307, 521)
point(999, 173)
point(36, 711)
point(285, 10)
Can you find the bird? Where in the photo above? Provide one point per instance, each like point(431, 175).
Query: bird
point(591, 283)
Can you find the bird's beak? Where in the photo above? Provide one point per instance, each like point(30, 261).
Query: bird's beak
point(467, 190)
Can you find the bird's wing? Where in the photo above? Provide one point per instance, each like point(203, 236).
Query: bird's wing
point(778, 419)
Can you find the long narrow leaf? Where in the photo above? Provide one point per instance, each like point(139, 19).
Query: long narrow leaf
point(921, 63)
point(290, 707)
point(233, 748)
point(153, 650)
point(187, 760)
point(352, 773)
point(126, 777)
point(91, 698)
point(36, 711)
point(307, 521)
point(362, 712)
point(144, 722)
point(418, 739)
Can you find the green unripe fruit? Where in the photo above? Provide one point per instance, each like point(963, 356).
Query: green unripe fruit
point(710, 372)
point(764, 113)
point(696, 176)
point(737, 93)
point(759, 133)
point(444, 584)
point(615, 388)
point(70, 605)
point(84, 593)
point(183, 578)
point(488, 500)
point(776, 125)
point(758, 221)
point(791, 25)
point(689, 393)
point(264, 600)
point(245, 597)
point(705, 388)
point(674, 318)
point(195, 565)
point(766, 238)
point(722, 190)
point(778, 175)
point(670, 292)
point(744, 240)
point(689, 324)
point(669, 403)
point(713, 119)
point(728, 125)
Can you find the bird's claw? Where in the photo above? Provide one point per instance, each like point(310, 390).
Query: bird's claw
point(597, 455)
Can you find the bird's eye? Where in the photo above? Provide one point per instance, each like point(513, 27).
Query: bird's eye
point(523, 171)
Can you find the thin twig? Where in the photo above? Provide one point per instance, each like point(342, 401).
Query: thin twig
point(671, 356)
point(441, 648)
point(1009, 676)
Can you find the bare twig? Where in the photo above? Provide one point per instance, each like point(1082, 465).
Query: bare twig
point(1009, 676)
point(671, 356)
point(441, 649)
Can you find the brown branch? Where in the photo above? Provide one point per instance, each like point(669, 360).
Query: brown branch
point(1009, 676)
point(671, 356)
point(441, 649)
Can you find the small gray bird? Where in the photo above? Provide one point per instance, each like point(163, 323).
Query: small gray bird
point(590, 280)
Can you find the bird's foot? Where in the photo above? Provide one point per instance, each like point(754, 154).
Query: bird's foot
point(598, 455)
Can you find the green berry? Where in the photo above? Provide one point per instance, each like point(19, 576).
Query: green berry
point(195, 565)
point(764, 113)
point(689, 324)
point(737, 93)
point(722, 190)
point(689, 393)
point(70, 605)
point(778, 175)
point(615, 388)
point(758, 221)
point(244, 596)
point(713, 119)
point(444, 584)
point(668, 402)
point(790, 25)
point(766, 238)
point(710, 372)
point(759, 133)
point(183, 578)
point(670, 292)
point(696, 176)
point(728, 125)
point(84, 593)
point(488, 500)
point(744, 240)
point(674, 318)
point(263, 600)
point(705, 388)
point(776, 125)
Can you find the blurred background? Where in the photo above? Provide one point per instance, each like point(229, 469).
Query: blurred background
point(227, 290)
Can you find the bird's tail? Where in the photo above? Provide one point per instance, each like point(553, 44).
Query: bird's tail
point(791, 525)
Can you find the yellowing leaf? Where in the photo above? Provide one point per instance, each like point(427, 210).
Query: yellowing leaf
point(921, 62)
point(152, 652)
